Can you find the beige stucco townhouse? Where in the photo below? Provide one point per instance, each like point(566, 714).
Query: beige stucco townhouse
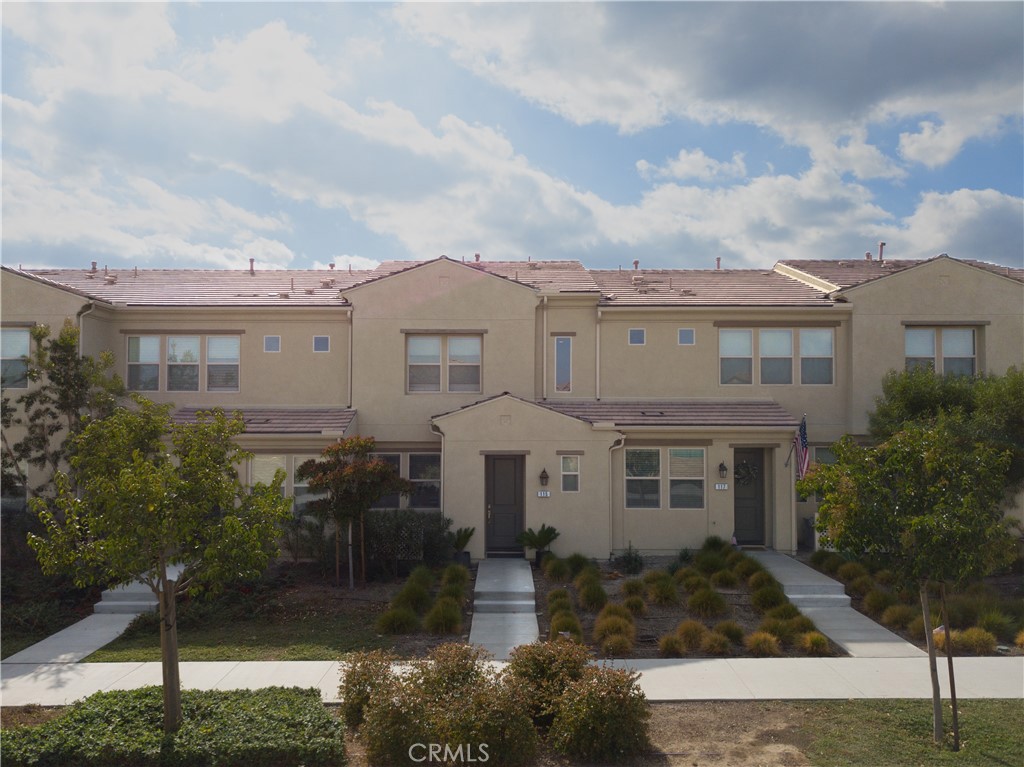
point(637, 407)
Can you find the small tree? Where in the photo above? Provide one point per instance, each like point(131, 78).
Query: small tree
point(139, 511)
point(925, 503)
point(353, 481)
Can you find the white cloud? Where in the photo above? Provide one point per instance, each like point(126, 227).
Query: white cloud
point(694, 164)
point(344, 262)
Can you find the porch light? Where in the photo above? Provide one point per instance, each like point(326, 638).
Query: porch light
point(543, 477)
point(723, 470)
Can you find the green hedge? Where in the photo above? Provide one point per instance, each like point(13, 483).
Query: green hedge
point(236, 728)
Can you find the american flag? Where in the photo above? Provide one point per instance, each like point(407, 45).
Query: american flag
point(803, 455)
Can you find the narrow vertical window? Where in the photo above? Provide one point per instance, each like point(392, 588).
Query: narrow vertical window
point(920, 348)
point(563, 363)
point(637, 336)
point(183, 363)
point(222, 358)
point(816, 356)
point(776, 349)
point(143, 363)
point(736, 356)
point(686, 478)
point(570, 473)
point(14, 348)
point(424, 363)
point(463, 364)
point(643, 479)
point(425, 475)
point(958, 355)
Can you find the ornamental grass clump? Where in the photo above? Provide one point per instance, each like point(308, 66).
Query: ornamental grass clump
point(731, 630)
point(422, 576)
point(445, 617)
point(558, 601)
point(692, 634)
point(761, 644)
point(413, 596)
point(783, 612)
point(611, 625)
point(997, 623)
point(710, 562)
point(453, 591)
point(617, 646)
point(544, 670)
point(592, 596)
point(745, 567)
point(851, 571)
point(814, 643)
point(877, 601)
point(767, 597)
point(615, 609)
point(397, 620)
point(589, 574)
point(898, 616)
point(861, 586)
point(760, 579)
point(663, 591)
point(725, 579)
point(557, 569)
point(577, 563)
point(715, 644)
point(455, 575)
point(565, 625)
point(976, 641)
point(671, 646)
point(636, 605)
point(707, 603)
point(633, 587)
point(780, 629)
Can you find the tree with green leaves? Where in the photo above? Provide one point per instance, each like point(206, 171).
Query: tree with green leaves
point(925, 503)
point(353, 481)
point(144, 507)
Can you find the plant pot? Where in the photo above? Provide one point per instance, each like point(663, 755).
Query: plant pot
point(538, 559)
point(462, 558)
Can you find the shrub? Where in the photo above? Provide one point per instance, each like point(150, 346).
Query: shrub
point(684, 557)
point(593, 596)
point(636, 605)
point(602, 717)
point(977, 641)
point(445, 617)
point(589, 574)
point(421, 576)
point(851, 571)
point(557, 569)
point(877, 601)
point(734, 557)
point(630, 561)
point(654, 575)
point(493, 713)
point(783, 612)
point(761, 644)
point(801, 624)
point(271, 726)
point(617, 645)
point(559, 604)
point(663, 591)
point(884, 577)
point(860, 586)
point(682, 573)
point(455, 575)
point(615, 609)
point(997, 623)
point(940, 640)
point(453, 591)
point(731, 630)
point(709, 562)
point(707, 603)
point(767, 597)
point(545, 669)
point(566, 623)
point(832, 563)
point(715, 543)
point(746, 567)
point(814, 643)
point(715, 644)
point(613, 624)
point(760, 579)
point(898, 616)
point(780, 629)
point(818, 557)
point(398, 620)
point(577, 563)
point(634, 587)
point(692, 633)
point(725, 579)
point(1018, 640)
point(695, 582)
point(671, 646)
point(916, 626)
point(413, 596)
point(395, 718)
point(361, 676)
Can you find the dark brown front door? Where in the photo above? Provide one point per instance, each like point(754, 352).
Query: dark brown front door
point(504, 497)
point(748, 495)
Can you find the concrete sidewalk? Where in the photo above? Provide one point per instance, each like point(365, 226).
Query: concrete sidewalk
point(504, 607)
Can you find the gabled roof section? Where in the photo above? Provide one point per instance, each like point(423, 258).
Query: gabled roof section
point(265, 420)
point(495, 398)
point(205, 287)
point(838, 274)
point(736, 413)
point(44, 280)
point(704, 287)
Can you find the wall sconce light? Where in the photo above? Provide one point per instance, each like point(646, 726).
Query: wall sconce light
point(723, 470)
point(543, 477)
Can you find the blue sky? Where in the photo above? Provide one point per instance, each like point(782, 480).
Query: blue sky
point(200, 135)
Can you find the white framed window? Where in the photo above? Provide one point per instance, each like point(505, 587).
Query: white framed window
point(264, 466)
point(143, 363)
point(736, 356)
point(563, 363)
point(570, 473)
point(183, 363)
point(686, 337)
point(776, 349)
point(686, 472)
point(271, 344)
point(425, 475)
point(643, 478)
point(919, 346)
point(816, 356)
point(461, 371)
point(958, 352)
point(321, 343)
point(222, 358)
point(464, 363)
point(392, 500)
point(423, 357)
point(301, 493)
point(637, 336)
point(14, 350)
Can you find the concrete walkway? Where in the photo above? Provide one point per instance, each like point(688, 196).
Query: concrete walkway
point(76, 642)
point(825, 602)
point(504, 608)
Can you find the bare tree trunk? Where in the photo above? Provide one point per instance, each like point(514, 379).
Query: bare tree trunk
point(362, 548)
point(933, 669)
point(351, 558)
point(337, 554)
point(949, 663)
point(169, 652)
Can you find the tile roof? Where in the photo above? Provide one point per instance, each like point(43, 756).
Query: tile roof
point(849, 272)
point(265, 420)
point(704, 287)
point(678, 413)
point(559, 276)
point(207, 287)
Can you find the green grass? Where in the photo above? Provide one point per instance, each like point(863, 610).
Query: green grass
point(880, 733)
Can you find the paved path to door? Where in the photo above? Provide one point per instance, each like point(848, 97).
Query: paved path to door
point(504, 607)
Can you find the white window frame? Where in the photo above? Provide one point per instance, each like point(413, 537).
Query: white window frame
point(679, 337)
point(409, 364)
point(643, 336)
point(749, 357)
point(26, 343)
point(683, 478)
point(140, 363)
point(762, 356)
point(577, 473)
point(266, 344)
point(479, 364)
point(197, 364)
point(831, 357)
point(321, 351)
point(919, 359)
point(418, 481)
point(444, 363)
point(628, 478)
point(296, 461)
point(568, 345)
point(974, 349)
point(237, 364)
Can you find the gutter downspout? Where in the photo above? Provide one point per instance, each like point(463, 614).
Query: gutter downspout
point(351, 336)
point(597, 358)
point(544, 348)
point(87, 309)
point(436, 429)
point(618, 444)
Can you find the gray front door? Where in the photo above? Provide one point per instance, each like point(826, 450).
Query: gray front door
point(504, 496)
point(748, 495)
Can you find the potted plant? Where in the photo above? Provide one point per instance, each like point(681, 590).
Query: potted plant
point(538, 540)
point(460, 539)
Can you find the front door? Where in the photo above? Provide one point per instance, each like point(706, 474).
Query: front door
point(748, 495)
point(504, 498)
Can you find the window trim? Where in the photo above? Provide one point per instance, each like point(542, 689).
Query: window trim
point(440, 487)
point(761, 356)
point(750, 335)
point(643, 336)
point(445, 363)
point(197, 364)
point(129, 364)
point(627, 478)
point(578, 474)
point(974, 350)
point(568, 389)
point(449, 364)
point(831, 357)
point(703, 479)
point(22, 358)
point(271, 351)
point(693, 337)
point(380, 456)
point(237, 364)
point(321, 351)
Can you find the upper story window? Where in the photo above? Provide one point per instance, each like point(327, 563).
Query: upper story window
point(14, 349)
point(736, 356)
point(271, 343)
point(563, 363)
point(460, 371)
point(321, 343)
point(816, 356)
point(951, 351)
point(143, 363)
point(222, 357)
point(643, 478)
point(637, 336)
point(776, 347)
point(775, 351)
point(183, 363)
point(686, 337)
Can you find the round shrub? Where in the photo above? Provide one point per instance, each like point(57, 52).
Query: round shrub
point(767, 597)
point(715, 543)
point(860, 586)
point(976, 641)
point(814, 643)
point(731, 630)
point(602, 717)
point(586, 576)
point(884, 577)
point(455, 574)
point(413, 596)
point(761, 644)
point(545, 669)
point(592, 596)
point(453, 591)
point(362, 675)
point(493, 713)
point(851, 571)
point(692, 633)
point(663, 592)
point(780, 629)
point(567, 624)
point(760, 579)
point(613, 624)
point(801, 624)
point(818, 557)
point(734, 557)
point(577, 564)
point(725, 579)
point(916, 626)
point(707, 603)
point(619, 610)
point(634, 587)
point(636, 606)
point(654, 575)
point(746, 567)
point(783, 612)
point(395, 717)
point(694, 583)
point(671, 646)
point(445, 617)
point(561, 604)
point(877, 601)
point(557, 569)
point(997, 623)
point(898, 616)
point(557, 594)
point(710, 562)
point(397, 620)
point(451, 669)
point(832, 563)
point(616, 645)
point(940, 640)
point(1018, 641)
point(715, 644)
point(683, 573)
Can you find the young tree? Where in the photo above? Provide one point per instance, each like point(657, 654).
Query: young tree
point(139, 511)
point(353, 481)
point(925, 503)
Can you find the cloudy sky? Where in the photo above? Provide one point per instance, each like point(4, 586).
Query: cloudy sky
point(200, 135)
